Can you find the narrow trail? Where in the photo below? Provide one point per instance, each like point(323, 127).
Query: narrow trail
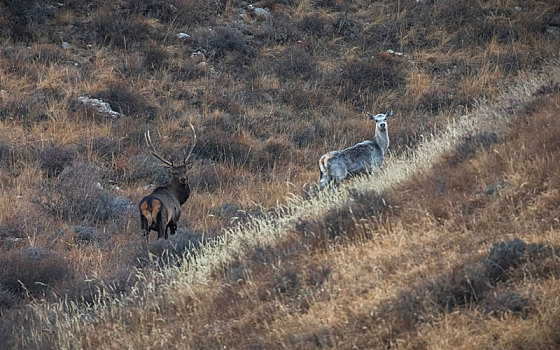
point(163, 285)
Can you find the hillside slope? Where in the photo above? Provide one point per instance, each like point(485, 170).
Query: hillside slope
point(453, 245)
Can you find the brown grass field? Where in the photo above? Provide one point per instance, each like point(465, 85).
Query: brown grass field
point(454, 245)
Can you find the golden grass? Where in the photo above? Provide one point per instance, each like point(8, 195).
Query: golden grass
point(190, 283)
point(191, 305)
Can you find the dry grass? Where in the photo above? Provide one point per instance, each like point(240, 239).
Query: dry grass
point(272, 96)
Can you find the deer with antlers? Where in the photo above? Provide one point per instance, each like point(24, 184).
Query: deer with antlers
point(160, 211)
point(362, 158)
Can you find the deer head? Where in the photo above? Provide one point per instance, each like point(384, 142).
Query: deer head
point(179, 172)
point(380, 120)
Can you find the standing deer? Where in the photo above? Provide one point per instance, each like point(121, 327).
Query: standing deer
point(162, 208)
point(361, 158)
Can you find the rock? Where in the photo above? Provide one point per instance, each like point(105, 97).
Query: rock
point(99, 106)
point(183, 36)
point(260, 12)
point(65, 45)
point(392, 52)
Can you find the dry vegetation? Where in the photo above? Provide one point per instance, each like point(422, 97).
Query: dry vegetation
point(455, 245)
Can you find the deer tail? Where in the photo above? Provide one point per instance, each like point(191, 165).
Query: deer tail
point(150, 209)
point(322, 163)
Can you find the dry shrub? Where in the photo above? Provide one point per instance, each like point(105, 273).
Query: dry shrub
point(114, 27)
point(127, 101)
point(172, 250)
point(342, 225)
point(156, 57)
point(33, 270)
point(178, 12)
point(206, 176)
point(314, 24)
point(53, 159)
point(106, 148)
point(279, 30)
point(359, 77)
point(222, 147)
point(6, 155)
point(140, 168)
point(75, 196)
point(309, 135)
point(470, 144)
point(225, 39)
point(295, 62)
point(300, 97)
point(8, 300)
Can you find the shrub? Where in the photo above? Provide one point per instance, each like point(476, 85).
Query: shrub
point(84, 234)
point(53, 159)
point(224, 39)
point(7, 300)
point(173, 249)
point(360, 77)
point(156, 57)
point(206, 176)
point(6, 155)
point(306, 136)
point(32, 269)
point(127, 101)
point(278, 30)
point(295, 63)
point(313, 24)
point(469, 146)
point(75, 196)
point(144, 169)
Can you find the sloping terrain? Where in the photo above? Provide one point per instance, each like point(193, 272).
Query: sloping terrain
point(452, 245)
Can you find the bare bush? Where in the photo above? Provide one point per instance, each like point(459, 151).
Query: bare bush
point(360, 77)
point(295, 63)
point(127, 101)
point(206, 177)
point(32, 270)
point(224, 39)
point(75, 196)
point(53, 159)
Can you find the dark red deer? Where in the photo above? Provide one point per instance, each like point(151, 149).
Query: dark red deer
point(161, 210)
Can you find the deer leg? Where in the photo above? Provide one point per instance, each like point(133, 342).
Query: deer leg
point(173, 227)
point(162, 226)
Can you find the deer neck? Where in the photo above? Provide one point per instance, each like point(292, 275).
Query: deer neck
point(180, 191)
point(382, 139)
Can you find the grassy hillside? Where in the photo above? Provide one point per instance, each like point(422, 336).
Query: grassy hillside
point(453, 245)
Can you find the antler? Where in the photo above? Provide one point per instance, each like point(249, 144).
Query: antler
point(186, 159)
point(154, 152)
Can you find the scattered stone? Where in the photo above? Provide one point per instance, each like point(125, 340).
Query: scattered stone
point(99, 105)
point(518, 8)
point(395, 53)
point(98, 186)
point(183, 36)
point(259, 11)
point(65, 45)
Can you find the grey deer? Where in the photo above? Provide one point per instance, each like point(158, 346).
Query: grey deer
point(160, 211)
point(361, 158)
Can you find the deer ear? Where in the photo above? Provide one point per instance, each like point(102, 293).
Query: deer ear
point(390, 113)
point(370, 116)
